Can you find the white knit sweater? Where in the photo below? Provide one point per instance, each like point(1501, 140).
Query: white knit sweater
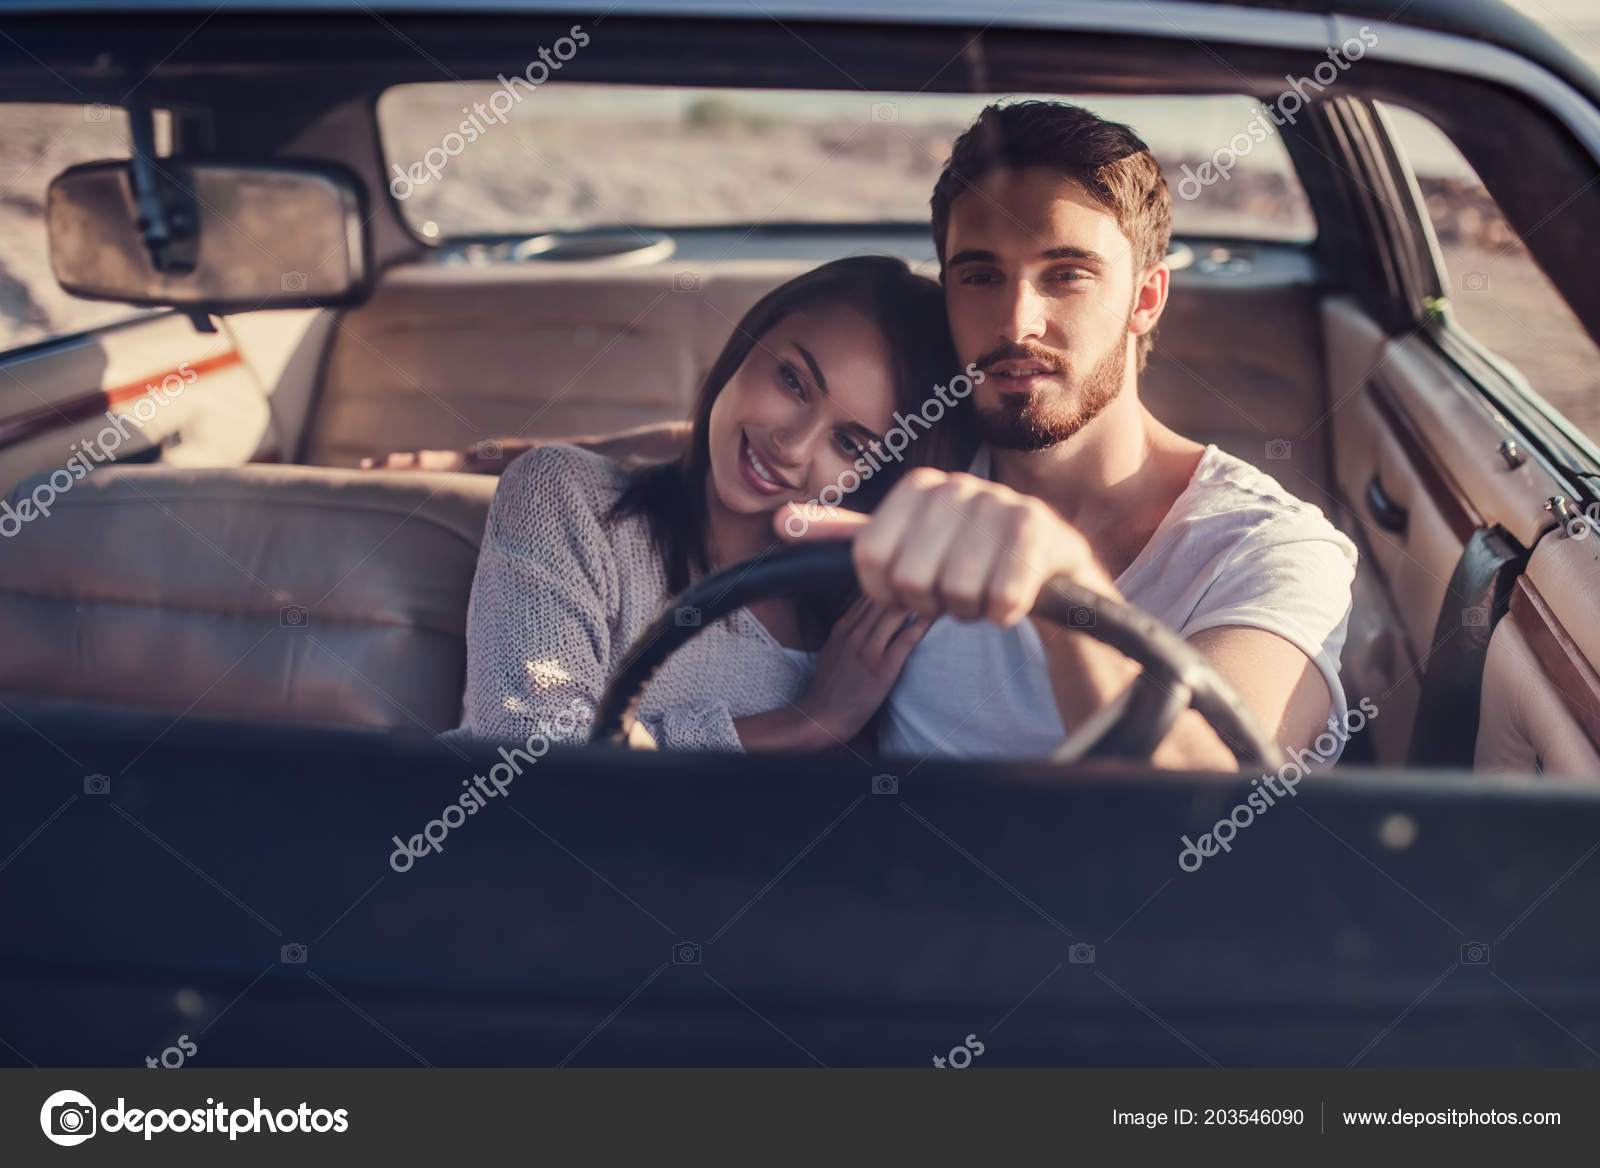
point(561, 594)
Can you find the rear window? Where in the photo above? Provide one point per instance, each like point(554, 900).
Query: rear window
point(464, 161)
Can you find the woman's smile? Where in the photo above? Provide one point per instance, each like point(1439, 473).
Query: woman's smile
point(757, 471)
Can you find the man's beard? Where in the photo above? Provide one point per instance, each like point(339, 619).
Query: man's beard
point(1042, 419)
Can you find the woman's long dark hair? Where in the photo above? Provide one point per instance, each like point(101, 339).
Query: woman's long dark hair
point(907, 309)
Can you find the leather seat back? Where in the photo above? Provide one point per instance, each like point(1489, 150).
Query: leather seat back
point(259, 592)
point(445, 356)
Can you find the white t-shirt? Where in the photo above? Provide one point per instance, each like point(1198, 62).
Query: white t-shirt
point(1236, 549)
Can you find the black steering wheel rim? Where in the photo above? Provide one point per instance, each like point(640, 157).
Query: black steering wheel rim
point(1175, 677)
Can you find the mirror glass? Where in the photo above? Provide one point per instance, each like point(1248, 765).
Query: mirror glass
point(238, 237)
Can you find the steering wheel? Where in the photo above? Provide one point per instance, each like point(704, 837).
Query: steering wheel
point(1175, 675)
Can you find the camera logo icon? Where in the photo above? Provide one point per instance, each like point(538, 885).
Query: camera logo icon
point(97, 113)
point(1279, 448)
point(686, 282)
point(1474, 953)
point(97, 784)
point(1080, 954)
point(686, 953)
point(67, 1118)
point(885, 785)
point(687, 618)
point(293, 953)
point(885, 111)
point(1475, 281)
point(490, 451)
point(1476, 617)
point(1081, 616)
point(292, 616)
point(293, 281)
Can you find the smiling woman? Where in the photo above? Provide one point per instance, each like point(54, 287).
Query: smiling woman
point(579, 557)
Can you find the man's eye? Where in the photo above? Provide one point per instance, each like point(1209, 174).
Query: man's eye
point(1069, 276)
point(980, 278)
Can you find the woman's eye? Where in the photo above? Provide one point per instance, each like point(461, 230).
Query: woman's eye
point(791, 380)
point(850, 446)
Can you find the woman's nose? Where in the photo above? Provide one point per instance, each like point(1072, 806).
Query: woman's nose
point(792, 442)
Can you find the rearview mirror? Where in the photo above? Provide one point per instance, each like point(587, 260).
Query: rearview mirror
point(207, 236)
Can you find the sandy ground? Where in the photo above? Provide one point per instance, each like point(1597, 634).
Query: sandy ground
point(1502, 298)
point(717, 163)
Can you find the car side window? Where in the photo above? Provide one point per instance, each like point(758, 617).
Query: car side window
point(40, 142)
point(1495, 291)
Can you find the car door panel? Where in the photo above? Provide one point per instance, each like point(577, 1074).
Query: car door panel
point(1417, 461)
point(1462, 430)
point(55, 397)
point(1541, 694)
point(1401, 577)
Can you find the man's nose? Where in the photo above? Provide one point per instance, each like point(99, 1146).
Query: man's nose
point(1024, 318)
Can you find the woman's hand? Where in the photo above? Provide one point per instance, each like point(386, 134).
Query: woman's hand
point(859, 665)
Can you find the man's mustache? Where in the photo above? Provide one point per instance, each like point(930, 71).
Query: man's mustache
point(1022, 351)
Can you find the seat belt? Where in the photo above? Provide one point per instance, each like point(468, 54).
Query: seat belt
point(1446, 727)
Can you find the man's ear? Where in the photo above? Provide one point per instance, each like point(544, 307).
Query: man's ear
point(1149, 298)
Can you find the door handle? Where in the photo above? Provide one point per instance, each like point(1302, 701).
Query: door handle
point(1386, 513)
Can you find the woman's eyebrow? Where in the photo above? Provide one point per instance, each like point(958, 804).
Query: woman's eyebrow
point(822, 384)
point(811, 363)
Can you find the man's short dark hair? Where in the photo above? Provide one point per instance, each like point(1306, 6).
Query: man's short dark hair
point(1107, 159)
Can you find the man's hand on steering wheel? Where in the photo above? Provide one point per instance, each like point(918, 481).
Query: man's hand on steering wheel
point(955, 544)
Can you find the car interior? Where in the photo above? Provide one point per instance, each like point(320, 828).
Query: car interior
point(1317, 360)
point(1301, 351)
point(236, 570)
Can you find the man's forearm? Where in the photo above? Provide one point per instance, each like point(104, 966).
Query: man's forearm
point(1086, 675)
